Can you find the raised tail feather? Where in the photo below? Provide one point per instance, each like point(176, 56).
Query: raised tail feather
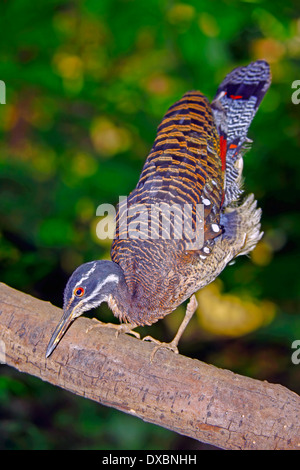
point(234, 106)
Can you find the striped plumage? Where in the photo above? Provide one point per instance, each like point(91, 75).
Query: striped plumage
point(183, 167)
point(196, 160)
point(189, 163)
point(236, 102)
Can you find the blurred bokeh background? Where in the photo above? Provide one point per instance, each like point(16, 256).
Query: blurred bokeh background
point(87, 83)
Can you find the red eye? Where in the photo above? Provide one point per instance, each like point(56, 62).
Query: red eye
point(79, 291)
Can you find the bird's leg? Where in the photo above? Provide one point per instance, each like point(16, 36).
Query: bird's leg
point(190, 310)
point(122, 328)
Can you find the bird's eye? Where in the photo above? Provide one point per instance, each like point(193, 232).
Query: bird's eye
point(79, 291)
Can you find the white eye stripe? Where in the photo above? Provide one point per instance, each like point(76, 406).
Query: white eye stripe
point(110, 278)
point(86, 275)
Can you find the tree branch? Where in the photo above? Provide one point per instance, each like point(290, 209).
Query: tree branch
point(182, 394)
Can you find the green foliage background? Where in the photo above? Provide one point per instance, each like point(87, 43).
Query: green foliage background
point(87, 83)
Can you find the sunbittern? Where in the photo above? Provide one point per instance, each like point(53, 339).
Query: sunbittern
point(196, 161)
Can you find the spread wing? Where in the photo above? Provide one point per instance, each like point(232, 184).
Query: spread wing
point(184, 167)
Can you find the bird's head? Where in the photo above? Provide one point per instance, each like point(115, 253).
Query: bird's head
point(87, 288)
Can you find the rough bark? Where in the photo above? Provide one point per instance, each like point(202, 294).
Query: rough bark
point(185, 395)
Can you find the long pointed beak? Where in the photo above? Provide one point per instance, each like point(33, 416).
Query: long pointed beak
point(59, 331)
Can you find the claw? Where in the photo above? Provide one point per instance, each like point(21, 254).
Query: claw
point(122, 328)
point(126, 328)
point(98, 324)
point(160, 345)
point(190, 310)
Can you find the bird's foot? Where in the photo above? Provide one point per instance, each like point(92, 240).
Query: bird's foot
point(128, 329)
point(172, 346)
point(190, 310)
point(122, 328)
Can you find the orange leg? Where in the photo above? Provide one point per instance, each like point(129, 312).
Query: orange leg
point(190, 310)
